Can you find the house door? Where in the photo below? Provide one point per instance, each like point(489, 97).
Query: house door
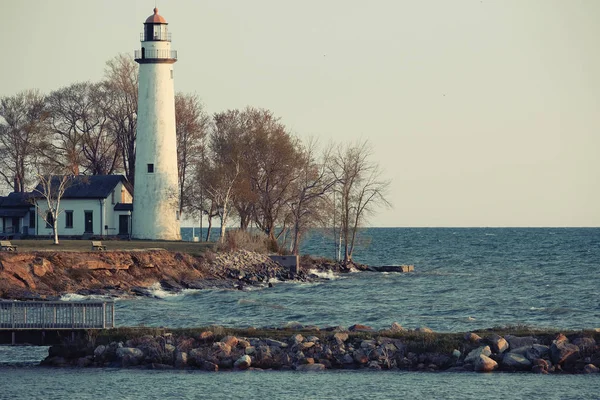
point(123, 224)
point(15, 224)
point(89, 222)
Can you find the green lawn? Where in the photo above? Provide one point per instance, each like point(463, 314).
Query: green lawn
point(85, 245)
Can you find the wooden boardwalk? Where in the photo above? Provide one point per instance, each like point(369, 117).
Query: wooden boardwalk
point(32, 319)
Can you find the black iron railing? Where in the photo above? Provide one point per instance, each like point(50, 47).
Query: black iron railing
point(158, 36)
point(153, 54)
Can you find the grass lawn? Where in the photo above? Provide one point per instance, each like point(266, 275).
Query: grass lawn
point(114, 245)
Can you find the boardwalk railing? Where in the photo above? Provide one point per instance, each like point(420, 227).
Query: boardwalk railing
point(57, 315)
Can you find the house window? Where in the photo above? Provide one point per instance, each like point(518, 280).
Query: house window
point(31, 219)
point(49, 220)
point(69, 219)
point(150, 168)
point(112, 197)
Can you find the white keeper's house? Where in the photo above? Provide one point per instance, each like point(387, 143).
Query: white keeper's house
point(96, 205)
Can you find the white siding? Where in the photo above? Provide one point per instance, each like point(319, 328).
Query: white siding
point(105, 219)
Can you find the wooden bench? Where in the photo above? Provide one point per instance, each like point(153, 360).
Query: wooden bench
point(5, 245)
point(97, 245)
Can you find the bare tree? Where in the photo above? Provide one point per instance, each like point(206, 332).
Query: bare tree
point(78, 116)
point(192, 125)
point(22, 136)
point(219, 188)
point(273, 154)
point(359, 188)
point(50, 191)
point(308, 203)
point(121, 82)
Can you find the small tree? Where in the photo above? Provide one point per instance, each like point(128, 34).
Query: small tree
point(307, 202)
point(359, 188)
point(50, 190)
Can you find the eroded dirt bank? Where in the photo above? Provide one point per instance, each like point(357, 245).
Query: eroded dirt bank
point(47, 275)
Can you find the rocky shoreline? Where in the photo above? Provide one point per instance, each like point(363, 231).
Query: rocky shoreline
point(312, 349)
point(47, 275)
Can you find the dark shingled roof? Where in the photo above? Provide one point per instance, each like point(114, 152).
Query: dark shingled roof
point(90, 187)
point(123, 207)
point(16, 200)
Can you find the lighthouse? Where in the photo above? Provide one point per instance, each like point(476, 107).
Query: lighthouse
point(156, 189)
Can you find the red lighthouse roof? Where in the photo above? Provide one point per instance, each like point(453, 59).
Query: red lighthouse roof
point(155, 18)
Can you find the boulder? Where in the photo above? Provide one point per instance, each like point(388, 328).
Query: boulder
point(306, 345)
point(310, 367)
point(472, 337)
point(585, 344)
point(340, 337)
point(131, 352)
point(99, 351)
point(275, 343)
point(473, 356)
point(243, 362)
point(499, 344)
point(515, 361)
point(562, 353)
point(295, 339)
point(206, 336)
point(361, 328)
point(243, 344)
point(424, 329)
point(590, 369)
point(517, 341)
point(231, 341)
point(181, 359)
point(396, 327)
point(536, 351)
point(485, 364)
point(250, 350)
point(223, 350)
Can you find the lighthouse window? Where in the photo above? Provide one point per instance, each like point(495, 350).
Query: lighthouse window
point(171, 74)
point(150, 168)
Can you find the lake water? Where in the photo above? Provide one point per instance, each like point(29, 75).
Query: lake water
point(465, 279)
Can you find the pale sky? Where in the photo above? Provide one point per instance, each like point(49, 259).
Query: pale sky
point(482, 113)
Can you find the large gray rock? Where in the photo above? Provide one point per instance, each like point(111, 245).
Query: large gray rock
point(536, 351)
point(516, 361)
point(585, 344)
point(499, 344)
point(310, 367)
point(473, 356)
point(520, 341)
point(99, 351)
point(562, 353)
point(243, 362)
point(181, 359)
point(590, 369)
point(131, 352)
point(485, 364)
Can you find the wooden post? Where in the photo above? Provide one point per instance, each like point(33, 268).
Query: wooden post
point(103, 315)
point(12, 315)
point(13, 338)
point(73, 315)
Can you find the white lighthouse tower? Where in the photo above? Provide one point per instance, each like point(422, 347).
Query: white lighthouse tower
point(156, 194)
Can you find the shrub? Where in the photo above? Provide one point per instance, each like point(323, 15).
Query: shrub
point(237, 239)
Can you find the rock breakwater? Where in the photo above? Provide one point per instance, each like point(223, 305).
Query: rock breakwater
point(314, 349)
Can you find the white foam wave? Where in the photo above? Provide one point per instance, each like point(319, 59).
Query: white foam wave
point(323, 274)
point(80, 297)
point(157, 291)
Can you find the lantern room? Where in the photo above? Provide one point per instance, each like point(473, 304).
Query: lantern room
point(155, 28)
